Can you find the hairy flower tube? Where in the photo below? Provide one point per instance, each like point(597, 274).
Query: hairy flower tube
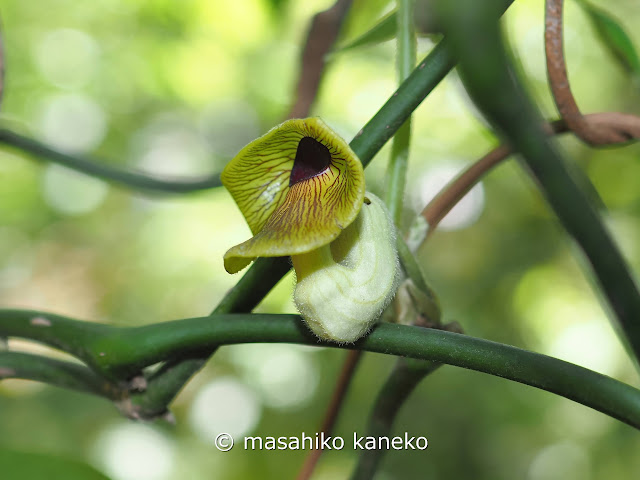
point(344, 286)
point(301, 189)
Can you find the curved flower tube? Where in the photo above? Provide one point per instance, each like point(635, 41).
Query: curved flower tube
point(343, 288)
point(301, 189)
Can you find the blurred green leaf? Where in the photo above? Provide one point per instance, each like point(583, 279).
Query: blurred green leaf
point(37, 466)
point(614, 38)
point(278, 5)
point(383, 31)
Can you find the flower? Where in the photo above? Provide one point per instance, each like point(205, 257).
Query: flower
point(301, 189)
point(298, 187)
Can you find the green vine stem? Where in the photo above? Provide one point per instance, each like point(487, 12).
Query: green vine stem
point(55, 372)
point(403, 379)
point(413, 271)
point(429, 73)
point(488, 77)
point(366, 144)
point(95, 168)
point(71, 336)
point(123, 351)
point(165, 384)
point(406, 61)
point(405, 376)
point(162, 387)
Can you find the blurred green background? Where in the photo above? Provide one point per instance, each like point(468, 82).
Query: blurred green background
point(177, 88)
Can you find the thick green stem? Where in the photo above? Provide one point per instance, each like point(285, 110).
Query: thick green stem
point(126, 350)
point(71, 336)
point(405, 376)
point(55, 372)
point(165, 384)
point(489, 79)
point(254, 285)
point(592, 389)
point(429, 73)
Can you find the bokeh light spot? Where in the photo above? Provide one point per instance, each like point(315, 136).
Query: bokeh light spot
point(72, 193)
point(168, 147)
point(229, 125)
point(564, 321)
point(73, 123)
point(285, 375)
point(134, 452)
point(224, 406)
point(67, 58)
point(562, 461)
point(466, 212)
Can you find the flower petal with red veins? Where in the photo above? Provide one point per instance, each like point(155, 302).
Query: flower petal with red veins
point(298, 187)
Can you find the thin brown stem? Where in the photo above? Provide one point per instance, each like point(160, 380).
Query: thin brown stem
point(331, 415)
point(597, 129)
point(453, 192)
point(556, 67)
point(593, 133)
point(323, 33)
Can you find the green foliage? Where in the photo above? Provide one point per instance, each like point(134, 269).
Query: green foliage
point(613, 37)
point(382, 31)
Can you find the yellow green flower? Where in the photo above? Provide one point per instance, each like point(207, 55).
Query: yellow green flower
point(298, 187)
point(301, 189)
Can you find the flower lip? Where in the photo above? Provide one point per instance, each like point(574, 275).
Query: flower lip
point(293, 216)
point(312, 158)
